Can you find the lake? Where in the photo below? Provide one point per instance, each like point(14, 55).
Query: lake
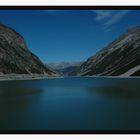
point(70, 104)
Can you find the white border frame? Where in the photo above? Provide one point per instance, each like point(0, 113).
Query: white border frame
point(70, 2)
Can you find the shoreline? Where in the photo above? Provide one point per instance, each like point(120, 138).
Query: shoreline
point(13, 77)
point(124, 77)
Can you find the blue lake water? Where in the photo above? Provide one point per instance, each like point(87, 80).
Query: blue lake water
point(70, 104)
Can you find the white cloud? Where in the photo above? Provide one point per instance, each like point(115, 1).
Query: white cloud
point(56, 11)
point(116, 17)
point(101, 14)
point(109, 17)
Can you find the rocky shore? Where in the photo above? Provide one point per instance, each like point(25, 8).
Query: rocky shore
point(5, 77)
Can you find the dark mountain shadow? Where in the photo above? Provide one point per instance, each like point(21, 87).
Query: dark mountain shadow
point(122, 90)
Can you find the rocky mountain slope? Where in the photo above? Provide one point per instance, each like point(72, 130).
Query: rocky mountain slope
point(120, 58)
point(15, 57)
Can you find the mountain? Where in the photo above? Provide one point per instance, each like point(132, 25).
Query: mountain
point(65, 68)
point(15, 57)
point(120, 58)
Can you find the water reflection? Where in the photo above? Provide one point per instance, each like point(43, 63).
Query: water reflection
point(16, 100)
point(126, 89)
point(17, 89)
point(70, 104)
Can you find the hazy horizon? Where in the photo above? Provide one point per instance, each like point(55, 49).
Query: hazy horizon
point(69, 35)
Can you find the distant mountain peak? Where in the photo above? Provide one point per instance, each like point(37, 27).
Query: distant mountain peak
point(65, 68)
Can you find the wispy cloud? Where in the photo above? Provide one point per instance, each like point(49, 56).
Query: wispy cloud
point(101, 14)
point(109, 17)
point(56, 11)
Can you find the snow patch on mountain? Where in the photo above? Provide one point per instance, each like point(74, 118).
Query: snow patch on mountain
point(131, 71)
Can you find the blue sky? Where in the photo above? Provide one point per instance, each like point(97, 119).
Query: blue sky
point(69, 35)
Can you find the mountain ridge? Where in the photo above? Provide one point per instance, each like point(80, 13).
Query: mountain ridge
point(64, 68)
point(15, 57)
point(116, 58)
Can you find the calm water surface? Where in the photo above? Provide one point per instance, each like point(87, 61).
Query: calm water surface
point(70, 104)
